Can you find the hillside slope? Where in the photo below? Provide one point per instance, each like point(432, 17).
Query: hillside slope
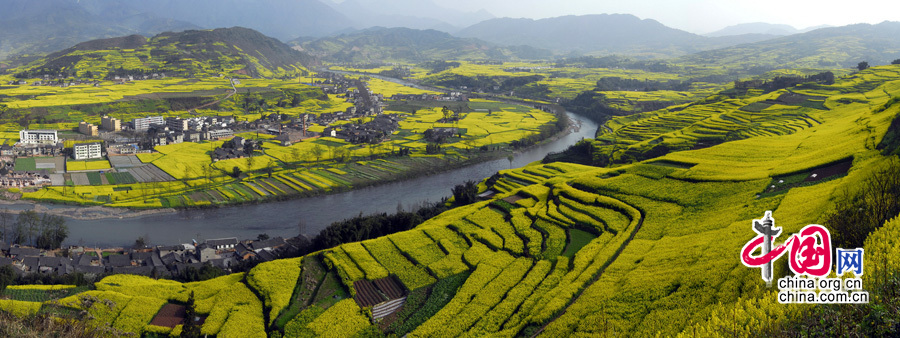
point(282, 19)
point(640, 249)
point(411, 45)
point(233, 51)
point(599, 34)
point(46, 26)
point(835, 47)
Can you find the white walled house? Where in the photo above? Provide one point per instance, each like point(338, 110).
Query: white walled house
point(38, 136)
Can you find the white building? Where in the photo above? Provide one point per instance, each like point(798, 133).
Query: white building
point(84, 151)
point(220, 133)
point(142, 124)
point(38, 137)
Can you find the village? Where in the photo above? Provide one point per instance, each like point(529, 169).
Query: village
point(45, 152)
point(158, 261)
point(47, 155)
point(64, 81)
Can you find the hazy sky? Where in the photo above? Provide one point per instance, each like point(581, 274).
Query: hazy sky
point(698, 16)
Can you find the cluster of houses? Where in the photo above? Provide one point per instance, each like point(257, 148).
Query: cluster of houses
point(452, 96)
point(60, 82)
point(162, 260)
point(67, 81)
point(438, 135)
point(22, 179)
point(334, 83)
point(151, 131)
point(377, 130)
point(237, 147)
point(172, 130)
point(526, 69)
point(127, 78)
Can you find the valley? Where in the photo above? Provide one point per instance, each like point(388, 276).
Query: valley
point(580, 175)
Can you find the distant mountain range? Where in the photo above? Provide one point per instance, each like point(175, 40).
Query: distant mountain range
point(232, 51)
point(761, 28)
point(28, 26)
point(44, 26)
point(331, 30)
point(600, 34)
point(417, 14)
point(822, 48)
point(281, 19)
point(404, 44)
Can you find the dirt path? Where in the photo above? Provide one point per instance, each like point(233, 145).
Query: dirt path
point(233, 91)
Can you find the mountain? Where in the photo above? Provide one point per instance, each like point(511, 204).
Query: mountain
point(822, 48)
point(396, 44)
point(282, 19)
point(417, 14)
point(49, 25)
point(755, 28)
point(601, 33)
point(232, 51)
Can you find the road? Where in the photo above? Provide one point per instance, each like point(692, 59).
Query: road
point(233, 91)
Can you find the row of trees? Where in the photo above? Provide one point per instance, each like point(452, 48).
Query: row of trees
point(44, 231)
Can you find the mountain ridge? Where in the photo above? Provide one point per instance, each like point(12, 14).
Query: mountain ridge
point(599, 34)
point(394, 44)
point(234, 51)
point(29, 27)
point(841, 47)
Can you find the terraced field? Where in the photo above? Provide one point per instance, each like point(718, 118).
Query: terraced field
point(640, 249)
point(184, 174)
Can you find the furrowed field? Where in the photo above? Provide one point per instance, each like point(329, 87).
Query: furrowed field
point(638, 249)
point(184, 174)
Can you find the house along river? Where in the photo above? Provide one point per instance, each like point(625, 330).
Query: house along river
point(285, 218)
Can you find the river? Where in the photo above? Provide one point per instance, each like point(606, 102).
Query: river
point(314, 213)
point(306, 215)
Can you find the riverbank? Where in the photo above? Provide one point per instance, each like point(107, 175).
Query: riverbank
point(93, 212)
point(435, 166)
point(306, 215)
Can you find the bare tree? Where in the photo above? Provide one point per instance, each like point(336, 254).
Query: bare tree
point(5, 224)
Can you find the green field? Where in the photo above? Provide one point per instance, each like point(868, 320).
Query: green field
point(639, 248)
point(315, 165)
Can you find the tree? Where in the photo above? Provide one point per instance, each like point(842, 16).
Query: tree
point(140, 243)
point(876, 200)
point(250, 161)
point(5, 225)
point(510, 158)
point(318, 151)
point(7, 276)
point(446, 111)
point(896, 62)
point(53, 232)
point(467, 193)
point(189, 327)
point(432, 148)
point(262, 237)
point(341, 154)
point(235, 172)
point(862, 65)
point(26, 225)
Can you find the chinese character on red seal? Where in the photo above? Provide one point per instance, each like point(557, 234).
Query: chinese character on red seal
point(810, 249)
